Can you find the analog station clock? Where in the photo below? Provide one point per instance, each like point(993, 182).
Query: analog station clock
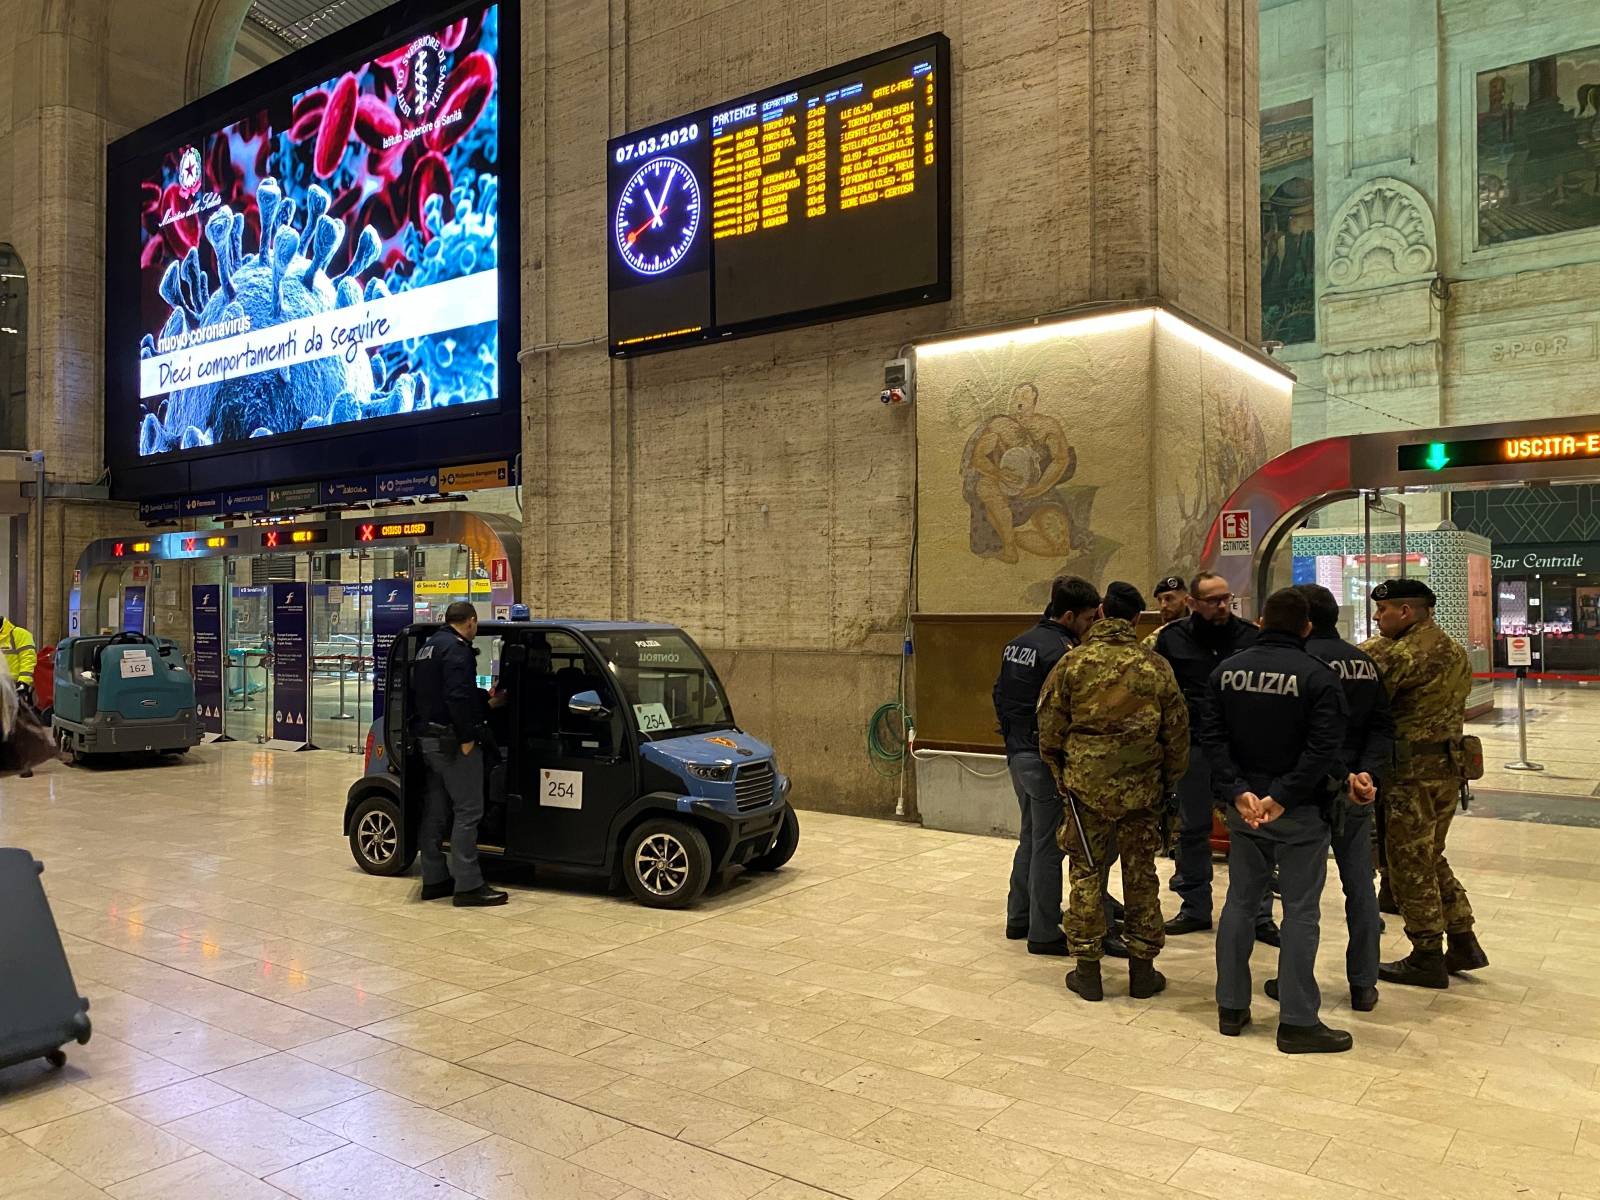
point(658, 215)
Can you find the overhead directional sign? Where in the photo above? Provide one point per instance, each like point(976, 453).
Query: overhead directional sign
point(1491, 452)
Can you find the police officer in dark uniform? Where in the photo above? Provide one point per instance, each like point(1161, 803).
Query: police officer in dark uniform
point(1368, 753)
point(1194, 646)
point(450, 718)
point(1033, 905)
point(1274, 731)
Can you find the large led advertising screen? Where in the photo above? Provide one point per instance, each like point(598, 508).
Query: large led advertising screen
point(304, 270)
point(811, 200)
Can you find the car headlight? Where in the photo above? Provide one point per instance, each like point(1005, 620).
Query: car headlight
point(713, 772)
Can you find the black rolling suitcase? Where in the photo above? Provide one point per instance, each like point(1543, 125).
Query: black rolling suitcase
point(40, 1009)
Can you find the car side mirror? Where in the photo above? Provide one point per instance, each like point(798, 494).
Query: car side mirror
point(587, 705)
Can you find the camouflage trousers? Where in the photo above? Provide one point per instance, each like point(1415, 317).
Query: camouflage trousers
point(1137, 840)
point(1417, 814)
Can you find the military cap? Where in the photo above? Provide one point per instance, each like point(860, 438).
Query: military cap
point(1404, 589)
point(1125, 594)
point(1170, 584)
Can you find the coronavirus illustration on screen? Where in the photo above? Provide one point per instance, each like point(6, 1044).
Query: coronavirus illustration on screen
point(338, 265)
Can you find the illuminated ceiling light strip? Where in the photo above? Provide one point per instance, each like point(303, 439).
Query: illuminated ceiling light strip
point(1031, 334)
point(1089, 325)
point(1236, 358)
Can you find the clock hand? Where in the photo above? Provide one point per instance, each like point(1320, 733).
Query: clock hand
point(667, 186)
point(634, 234)
point(654, 207)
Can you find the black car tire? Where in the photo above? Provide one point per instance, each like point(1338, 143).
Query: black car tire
point(666, 863)
point(783, 849)
point(377, 837)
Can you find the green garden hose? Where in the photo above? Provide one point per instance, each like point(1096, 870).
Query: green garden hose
point(888, 733)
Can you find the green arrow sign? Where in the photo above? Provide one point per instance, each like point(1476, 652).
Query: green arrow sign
point(1437, 459)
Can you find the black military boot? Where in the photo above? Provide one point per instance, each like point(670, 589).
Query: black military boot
point(1144, 980)
point(1463, 953)
point(1084, 979)
point(1420, 968)
point(1313, 1039)
point(1231, 1021)
point(1363, 999)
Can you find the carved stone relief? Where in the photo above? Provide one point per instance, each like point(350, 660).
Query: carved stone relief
point(1382, 234)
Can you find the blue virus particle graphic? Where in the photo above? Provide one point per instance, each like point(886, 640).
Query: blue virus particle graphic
point(463, 365)
point(286, 281)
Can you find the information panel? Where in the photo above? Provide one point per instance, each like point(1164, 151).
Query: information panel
point(291, 666)
point(206, 599)
point(1488, 452)
point(815, 199)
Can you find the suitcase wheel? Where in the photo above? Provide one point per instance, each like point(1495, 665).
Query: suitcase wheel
point(81, 1024)
point(56, 1058)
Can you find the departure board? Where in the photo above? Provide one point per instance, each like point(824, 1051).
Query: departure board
point(815, 199)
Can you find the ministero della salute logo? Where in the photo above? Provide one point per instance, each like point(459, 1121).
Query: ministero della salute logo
point(189, 171)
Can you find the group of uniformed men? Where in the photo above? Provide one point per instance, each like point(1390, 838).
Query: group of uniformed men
point(1293, 734)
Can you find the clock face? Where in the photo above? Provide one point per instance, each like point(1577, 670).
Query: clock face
point(658, 215)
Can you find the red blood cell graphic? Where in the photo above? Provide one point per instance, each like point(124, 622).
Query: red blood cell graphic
point(468, 91)
point(430, 177)
point(338, 121)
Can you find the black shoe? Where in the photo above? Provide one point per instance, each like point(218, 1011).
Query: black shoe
point(1271, 989)
point(1420, 968)
point(1056, 948)
point(1463, 953)
point(1084, 979)
point(1313, 1039)
point(438, 891)
point(1268, 934)
point(1112, 946)
point(1144, 980)
point(1231, 1021)
point(1363, 999)
point(1386, 900)
point(1016, 933)
point(482, 896)
point(1182, 924)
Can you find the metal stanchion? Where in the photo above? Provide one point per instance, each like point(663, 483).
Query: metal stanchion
point(343, 714)
point(1522, 763)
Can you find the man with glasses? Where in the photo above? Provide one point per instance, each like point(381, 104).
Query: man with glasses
point(1195, 647)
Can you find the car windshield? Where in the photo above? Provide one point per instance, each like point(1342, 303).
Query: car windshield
point(668, 683)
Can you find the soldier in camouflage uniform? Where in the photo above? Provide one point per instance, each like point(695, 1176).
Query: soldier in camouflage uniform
point(1115, 730)
point(1427, 676)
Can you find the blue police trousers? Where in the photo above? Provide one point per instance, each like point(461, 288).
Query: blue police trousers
point(455, 786)
point(1298, 843)
point(1352, 851)
point(1191, 878)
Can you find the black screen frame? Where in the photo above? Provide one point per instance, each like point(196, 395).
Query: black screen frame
point(939, 292)
point(396, 443)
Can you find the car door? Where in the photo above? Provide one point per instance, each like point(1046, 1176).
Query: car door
point(576, 771)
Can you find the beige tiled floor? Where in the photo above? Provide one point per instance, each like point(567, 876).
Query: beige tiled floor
point(1562, 720)
point(269, 1021)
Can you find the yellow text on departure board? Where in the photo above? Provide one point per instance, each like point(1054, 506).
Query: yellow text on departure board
point(756, 168)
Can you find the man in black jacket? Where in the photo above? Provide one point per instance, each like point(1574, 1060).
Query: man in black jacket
point(450, 716)
point(1033, 905)
point(1274, 730)
point(1368, 753)
point(1194, 646)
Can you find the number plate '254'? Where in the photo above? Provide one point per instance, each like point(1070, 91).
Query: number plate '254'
point(561, 789)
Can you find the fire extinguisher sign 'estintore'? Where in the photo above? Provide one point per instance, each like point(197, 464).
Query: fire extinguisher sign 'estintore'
point(1235, 532)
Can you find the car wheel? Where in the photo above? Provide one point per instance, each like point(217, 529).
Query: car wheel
point(667, 864)
point(377, 839)
point(783, 849)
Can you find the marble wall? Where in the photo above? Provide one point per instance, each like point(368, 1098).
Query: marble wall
point(1420, 320)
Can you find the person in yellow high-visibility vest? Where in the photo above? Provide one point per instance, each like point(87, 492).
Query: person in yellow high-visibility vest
point(17, 649)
